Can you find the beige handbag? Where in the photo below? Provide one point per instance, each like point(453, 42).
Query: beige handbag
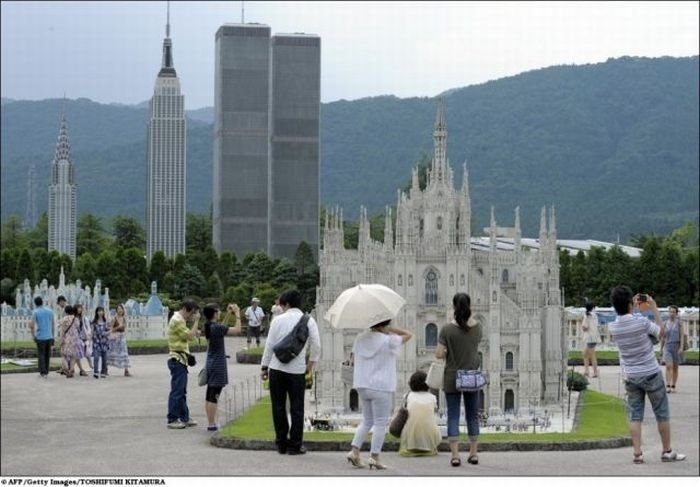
point(436, 374)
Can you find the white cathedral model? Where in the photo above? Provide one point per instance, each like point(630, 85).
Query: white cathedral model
point(515, 295)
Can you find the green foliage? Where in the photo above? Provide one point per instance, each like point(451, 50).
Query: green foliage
point(128, 233)
point(25, 266)
point(198, 232)
point(303, 257)
point(90, 237)
point(160, 265)
point(576, 381)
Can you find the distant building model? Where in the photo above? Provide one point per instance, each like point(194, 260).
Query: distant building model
point(143, 321)
point(63, 196)
point(166, 146)
point(428, 257)
point(266, 140)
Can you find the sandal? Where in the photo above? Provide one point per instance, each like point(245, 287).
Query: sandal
point(456, 462)
point(473, 459)
point(668, 390)
point(638, 458)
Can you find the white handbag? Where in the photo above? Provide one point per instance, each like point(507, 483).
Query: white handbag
point(436, 374)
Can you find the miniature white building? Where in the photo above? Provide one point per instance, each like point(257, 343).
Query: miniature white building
point(515, 294)
point(143, 321)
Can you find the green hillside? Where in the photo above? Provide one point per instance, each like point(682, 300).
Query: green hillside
point(614, 146)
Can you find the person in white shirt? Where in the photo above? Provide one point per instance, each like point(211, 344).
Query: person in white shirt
point(287, 379)
point(374, 377)
point(276, 310)
point(255, 315)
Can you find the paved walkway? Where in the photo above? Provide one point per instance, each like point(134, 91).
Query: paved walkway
point(116, 426)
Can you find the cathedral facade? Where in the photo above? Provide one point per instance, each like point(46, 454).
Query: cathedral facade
point(427, 257)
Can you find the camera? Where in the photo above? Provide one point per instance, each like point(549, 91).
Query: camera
point(643, 298)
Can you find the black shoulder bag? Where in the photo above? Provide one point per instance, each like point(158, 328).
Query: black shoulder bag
point(291, 345)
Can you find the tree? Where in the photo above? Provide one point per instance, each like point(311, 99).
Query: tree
point(160, 265)
point(303, 258)
point(189, 282)
point(7, 286)
point(39, 236)
point(198, 232)
point(260, 268)
point(108, 270)
point(649, 267)
point(128, 233)
point(25, 266)
point(672, 286)
point(579, 280)
point(91, 236)
point(239, 294)
point(227, 261)
point(55, 262)
point(86, 268)
point(134, 269)
point(40, 257)
point(284, 274)
point(12, 234)
point(9, 258)
point(214, 287)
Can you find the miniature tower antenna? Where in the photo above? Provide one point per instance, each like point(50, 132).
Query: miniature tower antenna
point(167, 24)
point(242, 12)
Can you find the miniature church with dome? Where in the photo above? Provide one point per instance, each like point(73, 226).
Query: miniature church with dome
point(427, 257)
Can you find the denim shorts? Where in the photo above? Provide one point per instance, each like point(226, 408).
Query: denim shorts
point(671, 355)
point(652, 386)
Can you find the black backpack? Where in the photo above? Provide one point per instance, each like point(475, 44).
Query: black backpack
point(291, 346)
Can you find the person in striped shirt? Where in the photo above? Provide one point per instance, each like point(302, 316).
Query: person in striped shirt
point(635, 335)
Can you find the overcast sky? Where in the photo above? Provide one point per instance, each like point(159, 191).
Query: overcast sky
point(111, 51)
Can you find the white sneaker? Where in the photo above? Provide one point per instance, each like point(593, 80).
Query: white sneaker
point(191, 422)
point(177, 425)
point(672, 456)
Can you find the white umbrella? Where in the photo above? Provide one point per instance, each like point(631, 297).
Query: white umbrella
point(364, 305)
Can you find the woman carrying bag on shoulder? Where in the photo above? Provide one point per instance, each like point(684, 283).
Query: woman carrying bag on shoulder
point(458, 344)
point(375, 352)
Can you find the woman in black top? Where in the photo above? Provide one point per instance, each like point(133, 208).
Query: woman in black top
point(217, 372)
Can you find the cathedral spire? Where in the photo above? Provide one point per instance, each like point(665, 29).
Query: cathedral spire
point(388, 231)
point(167, 66)
point(439, 169)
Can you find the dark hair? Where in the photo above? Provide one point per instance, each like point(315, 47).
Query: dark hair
point(60, 298)
point(69, 310)
point(621, 297)
point(380, 324)
point(76, 306)
point(589, 308)
point(674, 307)
point(291, 298)
point(209, 312)
point(38, 301)
point(417, 381)
point(97, 310)
point(462, 303)
point(190, 306)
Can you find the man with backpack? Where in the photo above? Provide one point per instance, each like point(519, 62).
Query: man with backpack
point(284, 362)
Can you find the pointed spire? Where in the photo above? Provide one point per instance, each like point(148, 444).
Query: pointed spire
point(552, 222)
point(543, 227)
point(493, 217)
point(439, 169)
point(63, 142)
point(388, 230)
point(167, 67)
point(518, 233)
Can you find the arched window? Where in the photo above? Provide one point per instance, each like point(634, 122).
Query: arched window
point(509, 406)
point(439, 223)
point(509, 361)
point(431, 288)
point(452, 279)
point(480, 271)
point(400, 280)
point(504, 276)
point(494, 297)
point(410, 280)
point(482, 401)
point(461, 280)
point(431, 335)
point(420, 228)
point(354, 400)
point(481, 360)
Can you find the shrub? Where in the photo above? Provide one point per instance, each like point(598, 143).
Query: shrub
point(576, 381)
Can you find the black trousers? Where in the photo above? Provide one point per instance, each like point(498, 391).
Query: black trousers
point(43, 353)
point(282, 385)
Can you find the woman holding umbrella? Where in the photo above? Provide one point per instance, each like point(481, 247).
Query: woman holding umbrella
point(374, 377)
point(375, 351)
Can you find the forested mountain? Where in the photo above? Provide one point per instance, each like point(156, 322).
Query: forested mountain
point(614, 146)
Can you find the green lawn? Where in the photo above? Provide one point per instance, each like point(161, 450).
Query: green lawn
point(613, 355)
point(602, 417)
point(53, 364)
point(150, 343)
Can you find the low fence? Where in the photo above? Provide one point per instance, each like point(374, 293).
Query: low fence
point(238, 397)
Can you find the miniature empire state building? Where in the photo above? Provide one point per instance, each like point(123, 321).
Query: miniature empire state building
point(427, 258)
